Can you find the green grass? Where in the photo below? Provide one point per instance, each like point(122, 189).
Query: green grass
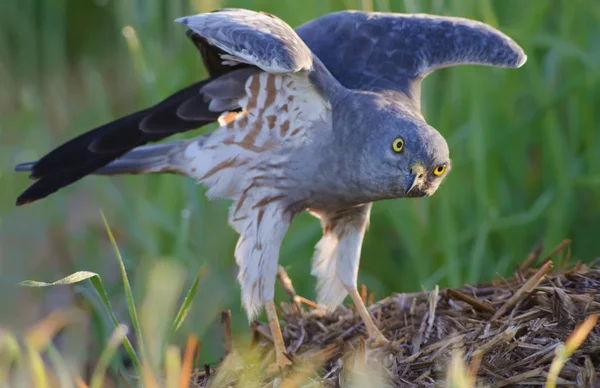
point(525, 146)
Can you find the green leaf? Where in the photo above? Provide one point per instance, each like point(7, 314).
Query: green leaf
point(11, 354)
point(71, 279)
point(128, 293)
point(101, 291)
point(187, 303)
point(60, 368)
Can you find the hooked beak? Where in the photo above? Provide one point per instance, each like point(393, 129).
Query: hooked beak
point(416, 173)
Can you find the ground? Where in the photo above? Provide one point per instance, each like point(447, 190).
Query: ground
point(508, 332)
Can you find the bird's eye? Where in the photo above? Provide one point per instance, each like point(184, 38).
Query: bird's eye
point(398, 144)
point(439, 170)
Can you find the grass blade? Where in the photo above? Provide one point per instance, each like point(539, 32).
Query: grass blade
point(128, 293)
point(37, 369)
point(564, 352)
point(172, 366)
point(165, 283)
point(60, 367)
point(99, 287)
point(11, 353)
point(118, 335)
point(187, 303)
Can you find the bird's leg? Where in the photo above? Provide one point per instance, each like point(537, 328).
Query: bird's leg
point(337, 259)
point(375, 336)
point(263, 226)
point(280, 357)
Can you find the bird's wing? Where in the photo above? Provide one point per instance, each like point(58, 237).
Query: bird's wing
point(211, 56)
point(234, 45)
point(255, 38)
point(375, 51)
point(244, 160)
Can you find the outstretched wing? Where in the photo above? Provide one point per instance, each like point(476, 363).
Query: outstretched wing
point(283, 105)
point(375, 51)
point(233, 43)
point(255, 38)
point(284, 99)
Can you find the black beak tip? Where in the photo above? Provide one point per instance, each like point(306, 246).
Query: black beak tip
point(410, 182)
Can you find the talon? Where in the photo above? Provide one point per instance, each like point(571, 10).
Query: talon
point(378, 341)
point(283, 361)
point(281, 364)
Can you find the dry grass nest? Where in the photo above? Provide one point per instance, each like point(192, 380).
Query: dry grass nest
point(504, 333)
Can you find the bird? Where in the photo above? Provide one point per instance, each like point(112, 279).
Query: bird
point(324, 118)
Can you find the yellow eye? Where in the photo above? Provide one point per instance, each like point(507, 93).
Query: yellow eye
point(439, 170)
point(398, 144)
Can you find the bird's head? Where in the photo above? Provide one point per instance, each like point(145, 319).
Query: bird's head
point(417, 155)
point(400, 154)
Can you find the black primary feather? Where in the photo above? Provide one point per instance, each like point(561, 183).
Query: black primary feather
point(185, 110)
point(86, 153)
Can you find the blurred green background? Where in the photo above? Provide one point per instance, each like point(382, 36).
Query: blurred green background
point(525, 146)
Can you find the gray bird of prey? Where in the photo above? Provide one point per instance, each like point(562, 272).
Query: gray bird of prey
point(325, 118)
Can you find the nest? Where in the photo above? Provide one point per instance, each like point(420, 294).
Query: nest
point(508, 332)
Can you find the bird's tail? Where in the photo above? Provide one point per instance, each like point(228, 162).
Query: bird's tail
point(158, 158)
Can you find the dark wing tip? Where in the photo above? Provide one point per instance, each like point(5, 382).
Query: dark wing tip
point(45, 186)
point(21, 202)
point(27, 197)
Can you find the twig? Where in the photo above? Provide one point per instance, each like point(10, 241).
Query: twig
point(477, 305)
point(371, 298)
point(363, 293)
point(524, 290)
point(288, 287)
point(227, 337)
point(559, 247)
point(433, 301)
point(532, 258)
point(500, 338)
point(473, 368)
point(188, 358)
point(519, 378)
point(307, 302)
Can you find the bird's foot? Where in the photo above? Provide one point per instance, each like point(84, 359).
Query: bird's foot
point(281, 364)
point(319, 312)
point(282, 361)
point(377, 340)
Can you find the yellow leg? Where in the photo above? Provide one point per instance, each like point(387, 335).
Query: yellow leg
point(282, 360)
point(375, 336)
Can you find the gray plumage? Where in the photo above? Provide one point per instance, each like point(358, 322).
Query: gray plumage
point(158, 158)
point(379, 51)
point(326, 120)
point(265, 41)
